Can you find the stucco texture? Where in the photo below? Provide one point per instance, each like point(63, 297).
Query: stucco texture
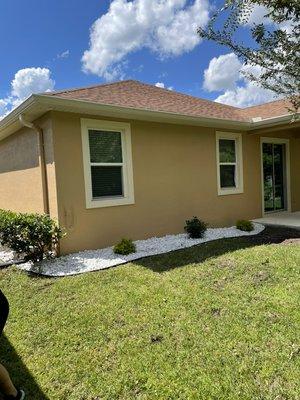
point(174, 174)
point(21, 188)
point(175, 178)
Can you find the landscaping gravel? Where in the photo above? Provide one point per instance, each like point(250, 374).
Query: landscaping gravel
point(93, 260)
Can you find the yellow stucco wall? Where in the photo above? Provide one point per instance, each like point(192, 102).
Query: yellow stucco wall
point(174, 172)
point(20, 173)
point(175, 178)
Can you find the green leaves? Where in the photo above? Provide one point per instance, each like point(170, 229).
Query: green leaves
point(32, 235)
point(125, 247)
point(244, 225)
point(276, 45)
point(195, 228)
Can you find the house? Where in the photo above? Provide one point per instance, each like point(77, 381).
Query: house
point(129, 159)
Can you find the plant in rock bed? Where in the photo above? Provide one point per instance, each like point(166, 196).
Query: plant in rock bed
point(244, 225)
point(34, 236)
point(195, 228)
point(125, 247)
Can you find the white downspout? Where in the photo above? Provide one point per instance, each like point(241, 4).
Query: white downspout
point(42, 161)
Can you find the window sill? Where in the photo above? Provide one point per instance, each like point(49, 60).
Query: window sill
point(225, 192)
point(100, 203)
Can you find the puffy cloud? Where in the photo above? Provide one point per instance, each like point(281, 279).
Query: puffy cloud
point(222, 72)
point(26, 82)
point(246, 96)
point(181, 35)
point(225, 73)
point(31, 80)
point(163, 86)
point(167, 27)
point(258, 16)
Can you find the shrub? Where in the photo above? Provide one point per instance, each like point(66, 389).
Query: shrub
point(244, 225)
point(5, 217)
point(32, 235)
point(125, 247)
point(195, 228)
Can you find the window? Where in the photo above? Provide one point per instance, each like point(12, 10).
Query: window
point(229, 163)
point(107, 163)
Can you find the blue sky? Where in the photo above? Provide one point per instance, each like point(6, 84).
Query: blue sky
point(54, 34)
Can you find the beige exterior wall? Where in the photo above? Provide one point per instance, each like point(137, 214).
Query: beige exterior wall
point(174, 172)
point(175, 178)
point(20, 172)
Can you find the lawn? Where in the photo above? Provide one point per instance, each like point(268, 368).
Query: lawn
point(217, 321)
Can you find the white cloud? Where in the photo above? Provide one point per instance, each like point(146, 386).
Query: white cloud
point(26, 82)
point(163, 86)
point(225, 73)
point(31, 80)
point(222, 72)
point(3, 107)
point(181, 35)
point(167, 27)
point(64, 54)
point(258, 16)
point(246, 96)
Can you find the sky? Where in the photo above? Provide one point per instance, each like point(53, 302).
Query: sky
point(56, 44)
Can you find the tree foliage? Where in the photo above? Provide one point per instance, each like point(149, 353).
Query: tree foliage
point(276, 44)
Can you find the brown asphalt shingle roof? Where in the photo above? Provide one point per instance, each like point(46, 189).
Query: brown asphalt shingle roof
point(138, 95)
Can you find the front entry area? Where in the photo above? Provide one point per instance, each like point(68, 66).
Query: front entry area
point(275, 174)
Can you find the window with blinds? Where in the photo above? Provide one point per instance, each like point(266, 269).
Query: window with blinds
point(107, 162)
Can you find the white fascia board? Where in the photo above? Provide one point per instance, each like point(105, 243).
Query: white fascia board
point(39, 104)
point(87, 107)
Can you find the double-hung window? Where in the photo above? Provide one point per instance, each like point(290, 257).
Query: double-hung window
point(229, 163)
point(107, 163)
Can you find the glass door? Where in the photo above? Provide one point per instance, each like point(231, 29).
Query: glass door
point(274, 176)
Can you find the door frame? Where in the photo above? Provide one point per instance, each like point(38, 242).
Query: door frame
point(287, 172)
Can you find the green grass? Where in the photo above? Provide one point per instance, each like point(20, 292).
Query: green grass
point(185, 325)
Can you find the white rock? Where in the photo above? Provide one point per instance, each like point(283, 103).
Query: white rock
point(93, 260)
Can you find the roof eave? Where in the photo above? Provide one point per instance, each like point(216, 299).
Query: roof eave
point(37, 105)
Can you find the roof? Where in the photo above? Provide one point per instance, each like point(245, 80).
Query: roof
point(138, 95)
point(140, 101)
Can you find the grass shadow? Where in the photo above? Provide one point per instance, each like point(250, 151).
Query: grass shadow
point(201, 252)
point(19, 372)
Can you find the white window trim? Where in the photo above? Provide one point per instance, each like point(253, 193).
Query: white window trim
point(239, 163)
point(128, 187)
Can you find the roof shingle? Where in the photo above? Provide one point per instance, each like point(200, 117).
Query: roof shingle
point(138, 95)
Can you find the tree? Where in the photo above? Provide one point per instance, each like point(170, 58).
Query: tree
point(276, 42)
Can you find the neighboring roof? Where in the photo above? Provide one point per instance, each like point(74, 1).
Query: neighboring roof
point(138, 95)
point(140, 101)
point(267, 110)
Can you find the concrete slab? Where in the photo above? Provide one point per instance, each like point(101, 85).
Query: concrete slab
point(288, 219)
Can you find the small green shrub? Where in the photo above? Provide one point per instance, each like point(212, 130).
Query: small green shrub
point(244, 225)
point(195, 228)
point(5, 217)
point(33, 235)
point(125, 247)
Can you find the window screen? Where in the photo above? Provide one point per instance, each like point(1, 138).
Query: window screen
point(106, 163)
point(227, 163)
